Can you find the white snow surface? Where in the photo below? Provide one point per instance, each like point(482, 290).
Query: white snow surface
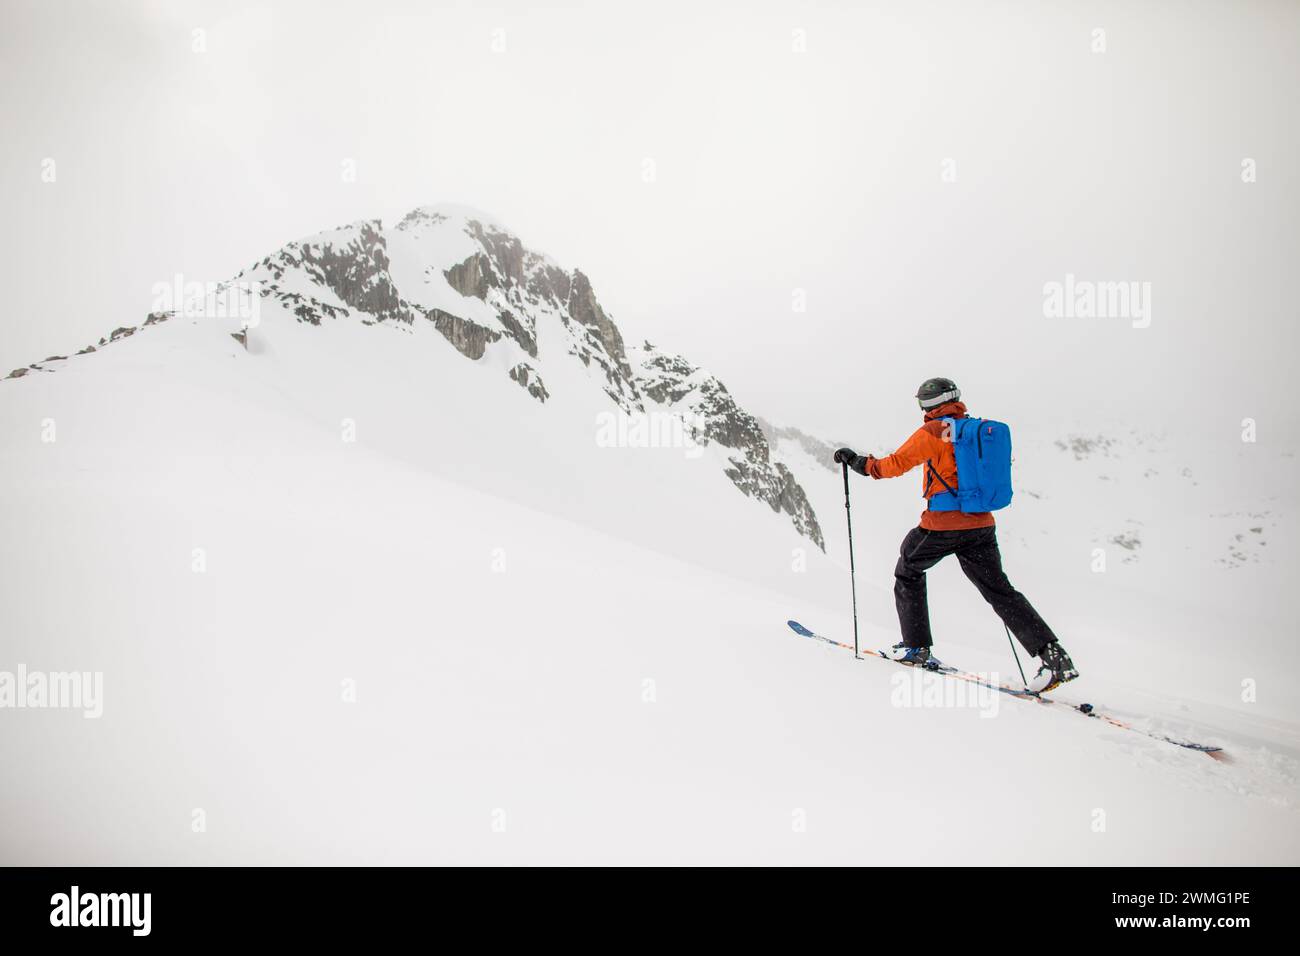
point(564, 653)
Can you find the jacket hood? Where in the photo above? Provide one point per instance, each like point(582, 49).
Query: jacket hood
point(947, 410)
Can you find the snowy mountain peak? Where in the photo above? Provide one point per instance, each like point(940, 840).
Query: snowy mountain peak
point(455, 271)
point(457, 213)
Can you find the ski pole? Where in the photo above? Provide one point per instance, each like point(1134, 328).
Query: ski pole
point(853, 579)
point(1015, 654)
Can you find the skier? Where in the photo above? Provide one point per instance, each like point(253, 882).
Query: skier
point(970, 536)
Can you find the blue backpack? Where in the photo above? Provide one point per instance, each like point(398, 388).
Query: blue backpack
point(982, 448)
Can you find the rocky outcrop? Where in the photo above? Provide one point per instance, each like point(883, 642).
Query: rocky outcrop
point(522, 288)
point(519, 332)
point(421, 216)
point(711, 410)
point(777, 487)
point(470, 338)
point(357, 272)
point(504, 250)
point(601, 343)
point(307, 309)
point(665, 378)
point(549, 283)
point(527, 376)
point(351, 262)
point(473, 277)
point(585, 309)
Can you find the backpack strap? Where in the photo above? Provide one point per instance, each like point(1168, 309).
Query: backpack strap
point(935, 474)
point(932, 472)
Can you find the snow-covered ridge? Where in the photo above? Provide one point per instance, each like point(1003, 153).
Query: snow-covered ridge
point(460, 272)
point(820, 450)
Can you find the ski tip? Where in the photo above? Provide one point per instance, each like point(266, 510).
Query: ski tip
point(799, 628)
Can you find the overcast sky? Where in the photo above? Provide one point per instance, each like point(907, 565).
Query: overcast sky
point(918, 170)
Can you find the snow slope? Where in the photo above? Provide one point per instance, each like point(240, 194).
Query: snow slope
point(560, 652)
point(1157, 573)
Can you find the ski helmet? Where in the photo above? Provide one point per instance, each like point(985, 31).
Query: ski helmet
point(935, 391)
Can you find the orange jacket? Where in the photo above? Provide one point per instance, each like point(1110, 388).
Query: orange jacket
point(928, 444)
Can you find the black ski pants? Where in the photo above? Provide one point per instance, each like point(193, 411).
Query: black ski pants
point(977, 551)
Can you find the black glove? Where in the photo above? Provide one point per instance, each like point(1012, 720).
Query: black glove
point(856, 462)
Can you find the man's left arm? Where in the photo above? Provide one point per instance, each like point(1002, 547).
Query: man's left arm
point(920, 447)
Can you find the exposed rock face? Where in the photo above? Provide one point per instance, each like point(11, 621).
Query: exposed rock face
point(357, 272)
point(527, 376)
point(470, 338)
point(664, 377)
point(308, 309)
point(521, 287)
point(473, 277)
point(505, 251)
point(352, 263)
point(672, 381)
point(585, 310)
point(519, 332)
point(775, 485)
point(421, 216)
point(550, 283)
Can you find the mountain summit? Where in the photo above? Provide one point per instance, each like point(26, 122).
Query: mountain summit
point(454, 270)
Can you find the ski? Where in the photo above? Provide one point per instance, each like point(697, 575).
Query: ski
point(1087, 710)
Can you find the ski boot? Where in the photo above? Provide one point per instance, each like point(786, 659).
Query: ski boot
point(912, 656)
point(1056, 669)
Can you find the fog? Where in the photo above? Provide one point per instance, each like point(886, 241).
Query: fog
point(822, 203)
